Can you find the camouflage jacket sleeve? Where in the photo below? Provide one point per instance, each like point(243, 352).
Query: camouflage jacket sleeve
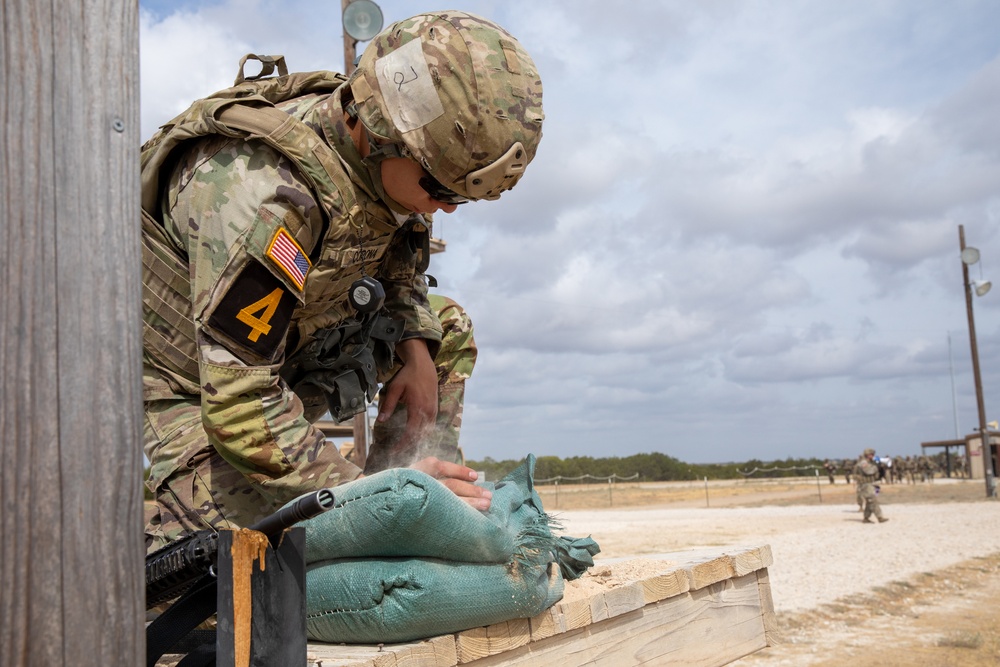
point(406, 285)
point(232, 204)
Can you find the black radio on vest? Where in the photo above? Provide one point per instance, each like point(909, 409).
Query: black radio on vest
point(366, 295)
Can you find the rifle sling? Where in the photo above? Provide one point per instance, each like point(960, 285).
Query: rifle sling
point(183, 616)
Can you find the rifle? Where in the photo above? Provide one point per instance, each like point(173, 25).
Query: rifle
point(186, 569)
point(173, 569)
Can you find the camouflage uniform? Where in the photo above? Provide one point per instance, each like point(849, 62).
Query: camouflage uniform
point(831, 469)
point(866, 473)
point(454, 364)
point(926, 469)
point(251, 258)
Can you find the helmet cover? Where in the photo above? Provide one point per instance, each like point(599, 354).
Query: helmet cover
point(457, 93)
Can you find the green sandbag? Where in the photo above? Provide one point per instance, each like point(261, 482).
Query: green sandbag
point(400, 558)
point(406, 599)
point(405, 512)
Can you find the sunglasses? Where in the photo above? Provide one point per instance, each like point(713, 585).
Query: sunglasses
point(440, 193)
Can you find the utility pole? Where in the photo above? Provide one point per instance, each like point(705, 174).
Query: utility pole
point(984, 439)
point(361, 22)
point(350, 52)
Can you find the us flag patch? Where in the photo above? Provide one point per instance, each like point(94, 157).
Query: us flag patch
point(287, 254)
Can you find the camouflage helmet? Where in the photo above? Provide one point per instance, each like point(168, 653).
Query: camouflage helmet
point(869, 452)
point(457, 93)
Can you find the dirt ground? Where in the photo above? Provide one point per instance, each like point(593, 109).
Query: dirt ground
point(920, 589)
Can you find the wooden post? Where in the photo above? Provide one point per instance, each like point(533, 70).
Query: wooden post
point(70, 341)
point(360, 422)
point(991, 489)
point(350, 44)
point(360, 429)
point(261, 600)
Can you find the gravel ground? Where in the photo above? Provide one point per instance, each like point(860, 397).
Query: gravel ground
point(821, 552)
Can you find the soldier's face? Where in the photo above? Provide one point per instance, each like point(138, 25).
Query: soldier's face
point(401, 180)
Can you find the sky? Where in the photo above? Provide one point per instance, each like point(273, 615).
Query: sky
point(739, 238)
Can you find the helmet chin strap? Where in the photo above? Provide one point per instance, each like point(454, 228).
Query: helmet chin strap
point(372, 161)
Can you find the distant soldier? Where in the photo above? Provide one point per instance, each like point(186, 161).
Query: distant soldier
point(926, 469)
point(887, 462)
point(866, 474)
point(880, 464)
point(857, 483)
point(830, 468)
point(902, 468)
point(848, 466)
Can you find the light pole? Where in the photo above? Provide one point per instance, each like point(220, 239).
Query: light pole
point(362, 20)
point(971, 256)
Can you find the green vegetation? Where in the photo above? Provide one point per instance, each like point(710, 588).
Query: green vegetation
point(972, 640)
point(653, 467)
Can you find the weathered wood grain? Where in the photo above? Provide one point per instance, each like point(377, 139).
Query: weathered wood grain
point(434, 652)
point(709, 627)
point(70, 346)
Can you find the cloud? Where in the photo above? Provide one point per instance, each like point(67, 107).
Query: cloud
point(738, 238)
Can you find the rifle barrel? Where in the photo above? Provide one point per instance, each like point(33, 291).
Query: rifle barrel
point(304, 508)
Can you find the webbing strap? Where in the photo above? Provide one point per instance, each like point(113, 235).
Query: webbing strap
point(183, 616)
point(203, 656)
point(162, 273)
point(318, 163)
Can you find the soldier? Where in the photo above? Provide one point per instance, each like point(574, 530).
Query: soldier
point(961, 467)
point(284, 269)
point(899, 468)
point(831, 469)
point(857, 484)
point(866, 474)
point(886, 463)
point(926, 468)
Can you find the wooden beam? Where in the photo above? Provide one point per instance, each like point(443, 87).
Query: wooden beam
point(70, 336)
point(672, 631)
point(332, 429)
point(434, 652)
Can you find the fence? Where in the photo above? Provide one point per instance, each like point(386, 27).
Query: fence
point(789, 469)
point(580, 478)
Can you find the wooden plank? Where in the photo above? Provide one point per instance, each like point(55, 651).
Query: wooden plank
point(752, 559)
point(70, 335)
point(710, 570)
point(561, 617)
point(671, 632)
point(667, 585)
point(704, 567)
point(767, 608)
point(617, 601)
point(492, 639)
point(434, 652)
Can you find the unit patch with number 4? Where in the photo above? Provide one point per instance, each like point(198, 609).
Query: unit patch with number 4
point(256, 311)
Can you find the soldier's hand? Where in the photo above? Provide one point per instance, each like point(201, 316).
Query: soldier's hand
point(458, 478)
point(415, 385)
